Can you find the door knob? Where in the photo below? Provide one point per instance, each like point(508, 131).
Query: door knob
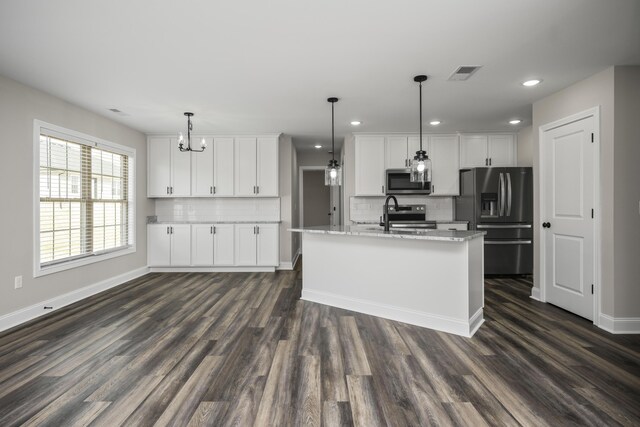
point(546, 225)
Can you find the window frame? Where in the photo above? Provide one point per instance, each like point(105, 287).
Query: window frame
point(78, 137)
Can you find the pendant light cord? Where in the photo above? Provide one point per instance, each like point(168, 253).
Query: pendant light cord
point(333, 150)
point(420, 116)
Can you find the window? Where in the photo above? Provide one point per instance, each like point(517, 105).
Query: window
point(84, 207)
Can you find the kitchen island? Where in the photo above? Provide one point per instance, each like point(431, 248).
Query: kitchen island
point(431, 278)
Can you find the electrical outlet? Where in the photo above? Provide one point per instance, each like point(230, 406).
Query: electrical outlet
point(17, 282)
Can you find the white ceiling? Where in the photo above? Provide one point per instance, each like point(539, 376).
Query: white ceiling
point(268, 66)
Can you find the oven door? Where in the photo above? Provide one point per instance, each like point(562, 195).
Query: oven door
point(398, 181)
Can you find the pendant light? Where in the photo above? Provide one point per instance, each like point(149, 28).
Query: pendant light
point(181, 147)
point(333, 171)
point(421, 165)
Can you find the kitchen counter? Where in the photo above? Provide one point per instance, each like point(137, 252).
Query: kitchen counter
point(214, 222)
point(429, 278)
point(437, 221)
point(442, 235)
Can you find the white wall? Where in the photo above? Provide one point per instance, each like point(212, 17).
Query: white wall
point(525, 146)
point(626, 196)
point(295, 204)
point(19, 106)
point(597, 90)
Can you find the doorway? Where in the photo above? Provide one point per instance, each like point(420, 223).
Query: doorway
point(569, 175)
point(319, 204)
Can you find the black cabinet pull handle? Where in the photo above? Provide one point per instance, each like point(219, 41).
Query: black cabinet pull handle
point(546, 225)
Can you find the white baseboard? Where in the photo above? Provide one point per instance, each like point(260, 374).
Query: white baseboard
point(211, 269)
point(620, 325)
point(290, 265)
point(463, 327)
point(535, 293)
point(36, 310)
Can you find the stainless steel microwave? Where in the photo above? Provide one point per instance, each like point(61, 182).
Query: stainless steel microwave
point(398, 181)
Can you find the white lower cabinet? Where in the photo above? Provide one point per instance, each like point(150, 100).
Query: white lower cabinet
point(223, 244)
point(213, 245)
point(257, 245)
point(168, 245)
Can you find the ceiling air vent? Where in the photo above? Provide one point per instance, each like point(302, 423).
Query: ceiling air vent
point(464, 72)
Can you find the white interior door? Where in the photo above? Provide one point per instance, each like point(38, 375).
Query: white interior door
point(568, 227)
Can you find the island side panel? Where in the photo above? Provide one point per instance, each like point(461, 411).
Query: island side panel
point(476, 283)
point(422, 282)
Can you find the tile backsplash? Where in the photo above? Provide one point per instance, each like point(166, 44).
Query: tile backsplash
point(218, 209)
point(369, 209)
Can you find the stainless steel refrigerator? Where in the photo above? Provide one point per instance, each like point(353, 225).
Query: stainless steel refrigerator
point(500, 202)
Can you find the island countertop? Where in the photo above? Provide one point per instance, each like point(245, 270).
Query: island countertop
point(348, 230)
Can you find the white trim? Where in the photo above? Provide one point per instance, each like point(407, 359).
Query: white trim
point(89, 140)
point(597, 223)
point(535, 294)
point(230, 269)
point(301, 170)
point(289, 265)
point(620, 325)
point(465, 328)
point(36, 310)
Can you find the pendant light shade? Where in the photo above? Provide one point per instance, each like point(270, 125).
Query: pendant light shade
point(421, 164)
point(181, 146)
point(333, 171)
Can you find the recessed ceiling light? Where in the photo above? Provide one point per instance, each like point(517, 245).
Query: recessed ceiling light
point(434, 122)
point(356, 123)
point(318, 146)
point(529, 83)
point(515, 121)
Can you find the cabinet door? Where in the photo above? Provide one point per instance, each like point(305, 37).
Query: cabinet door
point(473, 151)
point(413, 146)
point(202, 171)
point(267, 167)
point(445, 164)
point(502, 150)
point(245, 244)
point(223, 165)
point(159, 167)
point(369, 166)
point(245, 167)
point(158, 245)
point(396, 152)
point(180, 244)
point(180, 171)
point(223, 244)
point(202, 244)
point(268, 250)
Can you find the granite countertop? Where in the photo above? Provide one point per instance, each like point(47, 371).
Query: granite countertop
point(437, 221)
point(214, 222)
point(348, 230)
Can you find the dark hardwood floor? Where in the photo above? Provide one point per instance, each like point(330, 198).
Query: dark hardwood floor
point(242, 349)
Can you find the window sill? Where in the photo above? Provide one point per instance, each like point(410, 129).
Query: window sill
point(43, 271)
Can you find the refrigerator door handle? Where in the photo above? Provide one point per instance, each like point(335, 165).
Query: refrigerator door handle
point(508, 193)
point(501, 195)
point(508, 242)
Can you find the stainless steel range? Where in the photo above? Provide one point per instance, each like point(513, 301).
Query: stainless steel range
point(408, 217)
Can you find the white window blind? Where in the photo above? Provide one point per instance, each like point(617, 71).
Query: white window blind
point(85, 205)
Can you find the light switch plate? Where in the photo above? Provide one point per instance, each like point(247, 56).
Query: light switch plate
point(17, 282)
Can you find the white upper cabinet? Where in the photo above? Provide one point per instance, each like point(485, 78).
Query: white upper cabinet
point(202, 170)
point(169, 169)
point(413, 146)
point(223, 167)
point(369, 165)
point(256, 167)
point(267, 167)
point(502, 150)
point(396, 152)
point(487, 150)
point(444, 153)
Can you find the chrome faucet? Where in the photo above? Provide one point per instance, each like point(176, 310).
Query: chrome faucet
point(386, 211)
